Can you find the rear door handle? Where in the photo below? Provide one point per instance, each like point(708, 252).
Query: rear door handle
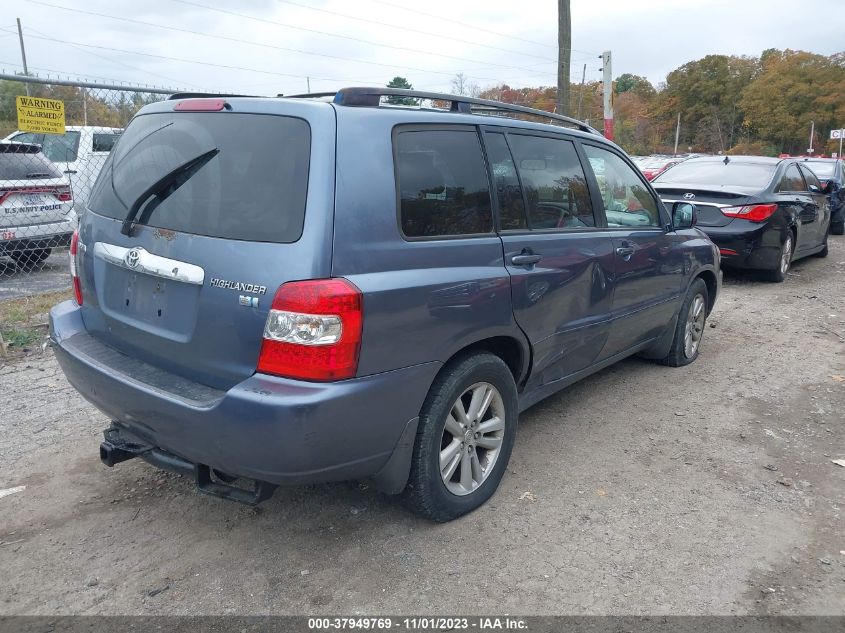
point(525, 259)
point(625, 251)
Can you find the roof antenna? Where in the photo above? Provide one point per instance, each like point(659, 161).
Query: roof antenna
point(727, 160)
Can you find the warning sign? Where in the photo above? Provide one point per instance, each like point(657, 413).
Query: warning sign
point(45, 116)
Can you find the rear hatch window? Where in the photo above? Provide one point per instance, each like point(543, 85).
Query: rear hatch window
point(253, 188)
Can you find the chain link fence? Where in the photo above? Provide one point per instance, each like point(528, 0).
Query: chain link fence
point(46, 179)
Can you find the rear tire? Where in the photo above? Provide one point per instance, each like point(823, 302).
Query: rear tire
point(689, 329)
point(464, 439)
point(787, 251)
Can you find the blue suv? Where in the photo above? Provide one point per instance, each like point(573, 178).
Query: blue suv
point(328, 287)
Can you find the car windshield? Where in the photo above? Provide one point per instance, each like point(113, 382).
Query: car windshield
point(717, 173)
point(59, 148)
point(823, 170)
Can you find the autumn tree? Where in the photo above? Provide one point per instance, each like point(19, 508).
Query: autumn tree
point(793, 89)
point(707, 93)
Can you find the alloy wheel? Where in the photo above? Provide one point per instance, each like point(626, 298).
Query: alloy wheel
point(694, 326)
point(472, 438)
point(786, 255)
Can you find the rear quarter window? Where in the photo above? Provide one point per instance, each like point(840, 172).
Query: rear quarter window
point(442, 183)
point(253, 189)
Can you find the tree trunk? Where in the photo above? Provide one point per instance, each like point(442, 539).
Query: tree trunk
point(564, 45)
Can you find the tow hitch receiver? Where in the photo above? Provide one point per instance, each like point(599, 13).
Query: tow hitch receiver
point(116, 448)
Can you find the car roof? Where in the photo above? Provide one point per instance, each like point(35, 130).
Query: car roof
point(761, 160)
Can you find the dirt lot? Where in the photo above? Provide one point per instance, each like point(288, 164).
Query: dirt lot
point(709, 489)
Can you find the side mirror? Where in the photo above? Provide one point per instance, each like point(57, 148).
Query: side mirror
point(827, 186)
point(683, 215)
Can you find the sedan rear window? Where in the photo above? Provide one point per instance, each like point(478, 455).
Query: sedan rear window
point(26, 166)
point(253, 188)
point(734, 173)
point(822, 170)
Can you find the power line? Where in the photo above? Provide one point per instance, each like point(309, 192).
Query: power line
point(114, 61)
point(68, 74)
point(264, 45)
point(405, 28)
point(475, 27)
point(193, 61)
point(348, 37)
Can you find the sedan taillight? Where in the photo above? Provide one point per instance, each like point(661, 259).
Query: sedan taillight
point(313, 331)
point(752, 212)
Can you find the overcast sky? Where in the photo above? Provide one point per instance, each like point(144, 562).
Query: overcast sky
point(271, 46)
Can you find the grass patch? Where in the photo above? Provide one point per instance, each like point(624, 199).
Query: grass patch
point(23, 320)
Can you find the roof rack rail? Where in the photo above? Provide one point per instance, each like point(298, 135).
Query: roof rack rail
point(201, 95)
point(371, 97)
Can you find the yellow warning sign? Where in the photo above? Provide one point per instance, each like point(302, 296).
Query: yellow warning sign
point(45, 116)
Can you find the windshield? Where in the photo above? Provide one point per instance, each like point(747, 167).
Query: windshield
point(823, 170)
point(59, 148)
point(717, 173)
point(254, 189)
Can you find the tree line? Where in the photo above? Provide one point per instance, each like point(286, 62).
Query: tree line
point(730, 104)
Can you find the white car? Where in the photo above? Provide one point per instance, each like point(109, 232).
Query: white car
point(80, 153)
point(36, 205)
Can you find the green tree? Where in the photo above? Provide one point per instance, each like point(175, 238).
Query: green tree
point(401, 82)
point(707, 92)
point(795, 88)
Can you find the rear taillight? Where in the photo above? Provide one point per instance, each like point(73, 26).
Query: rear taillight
point(63, 193)
point(313, 331)
point(74, 273)
point(752, 212)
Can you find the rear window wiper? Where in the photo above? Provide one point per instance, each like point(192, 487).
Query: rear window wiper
point(164, 187)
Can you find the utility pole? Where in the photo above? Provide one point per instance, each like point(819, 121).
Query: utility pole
point(23, 54)
point(607, 79)
point(308, 83)
point(564, 53)
point(581, 92)
point(677, 134)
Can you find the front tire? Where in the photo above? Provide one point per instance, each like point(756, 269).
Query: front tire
point(838, 229)
point(689, 329)
point(464, 439)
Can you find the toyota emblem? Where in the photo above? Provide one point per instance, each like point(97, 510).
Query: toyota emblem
point(689, 196)
point(132, 257)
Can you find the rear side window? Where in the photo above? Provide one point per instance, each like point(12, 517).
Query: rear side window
point(103, 142)
point(253, 189)
point(26, 166)
point(554, 182)
point(508, 191)
point(792, 180)
point(442, 183)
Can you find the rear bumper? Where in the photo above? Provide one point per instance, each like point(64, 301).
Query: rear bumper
point(266, 428)
point(50, 235)
point(744, 244)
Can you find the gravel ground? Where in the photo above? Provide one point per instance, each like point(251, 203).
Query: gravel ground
point(50, 276)
point(641, 490)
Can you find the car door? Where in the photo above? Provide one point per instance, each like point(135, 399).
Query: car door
point(556, 253)
point(820, 200)
point(793, 193)
point(648, 265)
